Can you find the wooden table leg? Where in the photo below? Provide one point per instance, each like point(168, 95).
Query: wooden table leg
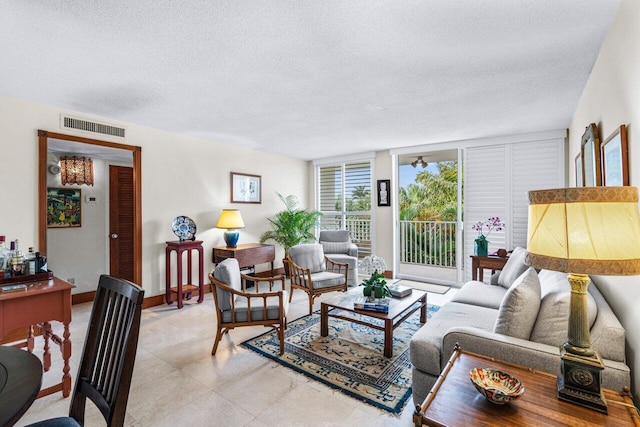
point(423, 309)
point(388, 338)
point(324, 320)
point(201, 275)
point(168, 276)
point(46, 356)
point(66, 355)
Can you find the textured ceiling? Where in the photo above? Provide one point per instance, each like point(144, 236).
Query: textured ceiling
point(308, 78)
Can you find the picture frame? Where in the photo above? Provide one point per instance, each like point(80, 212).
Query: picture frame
point(384, 192)
point(579, 170)
point(246, 188)
point(590, 150)
point(615, 160)
point(64, 207)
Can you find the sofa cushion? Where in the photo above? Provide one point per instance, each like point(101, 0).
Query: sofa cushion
point(479, 293)
point(520, 305)
point(257, 308)
point(514, 267)
point(426, 345)
point(552, 323)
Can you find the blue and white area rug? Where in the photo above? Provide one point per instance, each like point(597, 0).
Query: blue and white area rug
point(349, 359)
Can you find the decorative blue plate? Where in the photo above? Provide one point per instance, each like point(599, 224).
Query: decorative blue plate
point(184, 228)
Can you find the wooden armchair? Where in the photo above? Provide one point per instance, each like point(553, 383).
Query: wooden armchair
point(314, 273)
point(236, 307)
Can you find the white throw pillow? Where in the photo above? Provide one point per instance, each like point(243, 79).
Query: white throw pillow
point(519, 307)
point(514, 267)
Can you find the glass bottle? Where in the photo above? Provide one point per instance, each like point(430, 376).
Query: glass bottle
point(4, 253)
point(30, 262)
point(16, 264)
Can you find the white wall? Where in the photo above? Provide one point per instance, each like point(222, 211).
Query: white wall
point(80, 252)
point(181, 175)
point(612, 98)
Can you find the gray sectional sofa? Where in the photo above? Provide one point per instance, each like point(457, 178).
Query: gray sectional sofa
point(521, 317)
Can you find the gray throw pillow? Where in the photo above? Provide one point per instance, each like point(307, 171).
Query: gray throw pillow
point(519, 307)
point(514, 267)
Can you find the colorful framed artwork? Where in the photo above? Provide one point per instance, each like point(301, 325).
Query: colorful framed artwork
point(579, 170)
point(615, 161)
point(591, 156)
point(64, 207)
point(384, 192)
point(246, 188)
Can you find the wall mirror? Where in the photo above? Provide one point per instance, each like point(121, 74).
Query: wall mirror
point(590, 150)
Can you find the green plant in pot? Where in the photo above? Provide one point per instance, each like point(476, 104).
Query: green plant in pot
point(375, 286)
point(291, 226)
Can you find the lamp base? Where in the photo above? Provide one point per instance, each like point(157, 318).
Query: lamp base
point(580, 381)
point(231, 238)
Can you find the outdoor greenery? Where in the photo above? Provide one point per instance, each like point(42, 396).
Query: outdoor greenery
point(291, 226)
point(433, 197)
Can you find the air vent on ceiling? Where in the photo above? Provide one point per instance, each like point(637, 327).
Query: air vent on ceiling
point(89, 126)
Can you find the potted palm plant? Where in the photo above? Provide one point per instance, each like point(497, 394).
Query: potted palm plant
point(291, 226)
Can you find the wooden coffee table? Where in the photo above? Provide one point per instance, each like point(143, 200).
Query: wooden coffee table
point(399, 310)
point(454, 401)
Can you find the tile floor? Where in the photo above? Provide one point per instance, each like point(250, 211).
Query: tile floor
point(176, 381)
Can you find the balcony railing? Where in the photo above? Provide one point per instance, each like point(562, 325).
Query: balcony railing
point(428, 243)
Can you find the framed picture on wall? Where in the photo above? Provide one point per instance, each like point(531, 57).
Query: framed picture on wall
point(615, 161)
point(246, 188)
point(64, 207)
point(579, 170)
point(384, 192)
point(591, 156)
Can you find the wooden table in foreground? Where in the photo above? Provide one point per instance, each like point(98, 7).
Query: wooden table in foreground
point(454, 401)
point(42, 302)
point(399, 310)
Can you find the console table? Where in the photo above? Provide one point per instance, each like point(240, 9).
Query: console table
point(479, 263)
point(182, 290)
point(454, 401)
point(247, 254)
point(42, 302)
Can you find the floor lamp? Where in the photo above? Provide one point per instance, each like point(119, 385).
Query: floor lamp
point(581, 231)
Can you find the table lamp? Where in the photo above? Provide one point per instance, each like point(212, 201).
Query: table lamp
point(231, 220)
point(581, 231)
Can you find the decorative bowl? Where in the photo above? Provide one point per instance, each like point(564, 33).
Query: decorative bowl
point(497, 386)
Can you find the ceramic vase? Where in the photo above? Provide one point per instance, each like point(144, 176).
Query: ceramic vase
point(481, 246)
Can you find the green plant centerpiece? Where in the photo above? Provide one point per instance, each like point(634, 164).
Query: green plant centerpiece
point(291, 226)
point(375, 286)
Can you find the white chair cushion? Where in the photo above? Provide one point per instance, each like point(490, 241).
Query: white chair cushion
point(227, 272)
point(309, 255)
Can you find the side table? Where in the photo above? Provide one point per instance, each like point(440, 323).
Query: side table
point(182, 290)
point(454, 401)
point(479, 263)
point(247, 254)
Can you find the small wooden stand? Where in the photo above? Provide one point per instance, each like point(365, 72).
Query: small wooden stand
point(184, 290)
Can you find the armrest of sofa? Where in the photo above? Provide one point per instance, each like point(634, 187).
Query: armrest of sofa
point(353, 250)
point(531, 354)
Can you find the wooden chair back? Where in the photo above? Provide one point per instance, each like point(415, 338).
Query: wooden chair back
point(109, 351)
